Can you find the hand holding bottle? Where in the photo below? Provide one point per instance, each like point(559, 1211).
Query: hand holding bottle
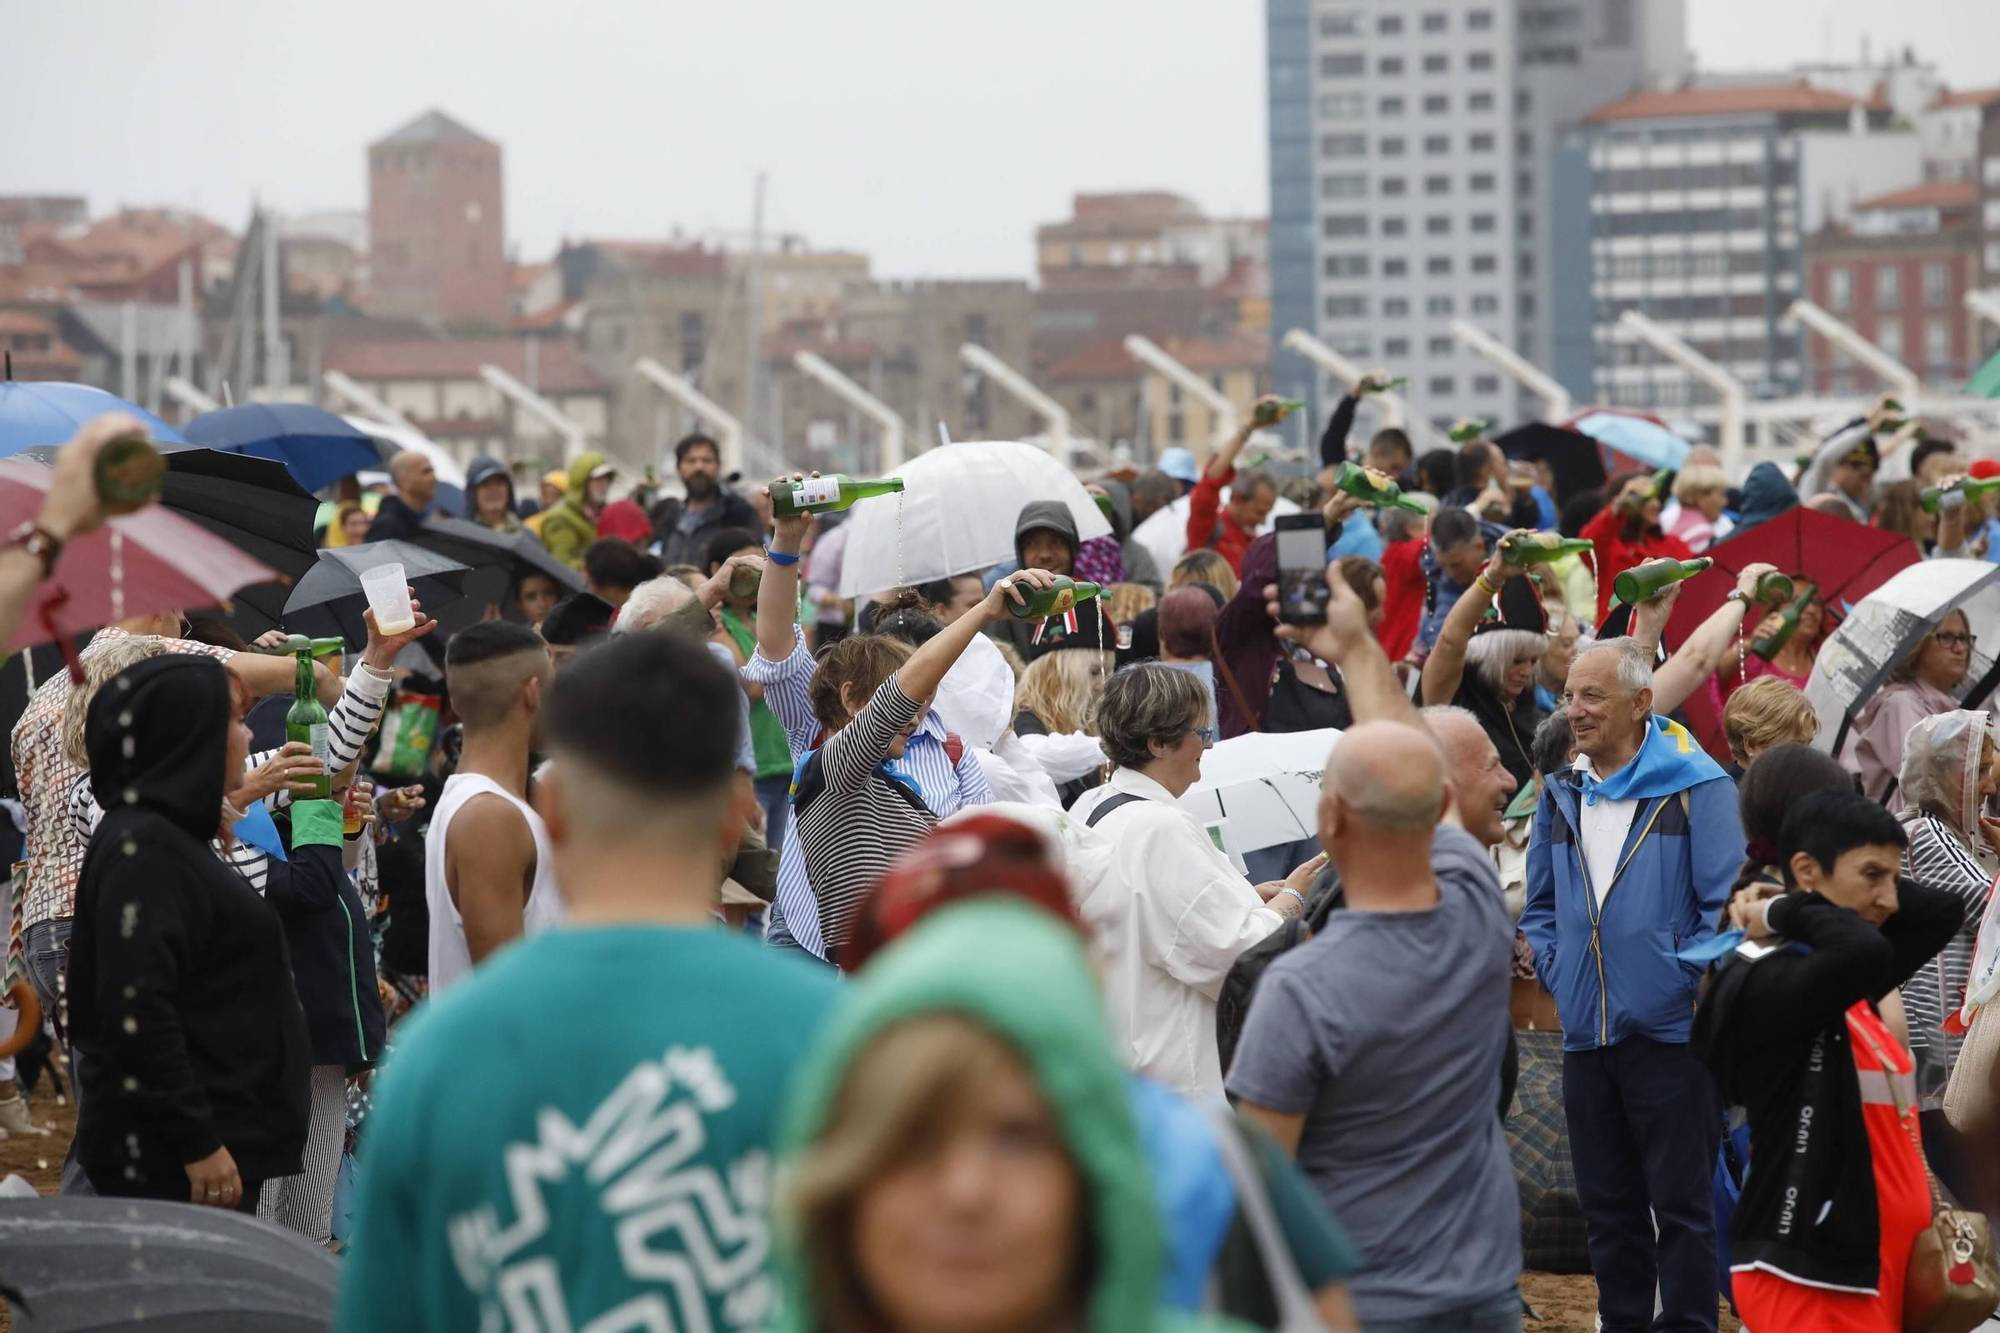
point(289, 768)
point(1750, 580)
point(789, 530)
point(1499, 569)
point(1017, 588)
point(1271, 409)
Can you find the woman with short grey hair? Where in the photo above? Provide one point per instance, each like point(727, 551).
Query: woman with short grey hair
point(1190, 911)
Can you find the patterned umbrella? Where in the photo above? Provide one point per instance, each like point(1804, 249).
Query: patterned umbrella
point(1552, 1234)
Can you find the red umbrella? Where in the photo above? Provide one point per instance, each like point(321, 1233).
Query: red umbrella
point(135, 565)
point(1847, 560)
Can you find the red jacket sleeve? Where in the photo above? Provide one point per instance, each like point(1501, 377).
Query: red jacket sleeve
point(1203, 506)
point(1602, 532)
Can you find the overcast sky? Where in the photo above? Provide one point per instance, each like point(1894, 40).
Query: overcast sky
point(931, 134)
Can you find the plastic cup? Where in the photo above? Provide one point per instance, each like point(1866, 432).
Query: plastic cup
point(388, 593)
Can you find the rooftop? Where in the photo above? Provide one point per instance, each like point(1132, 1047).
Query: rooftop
point(1748, 100)
point(1930, 194)
point(433, 126)
point(558, 370)
point(1967, 97)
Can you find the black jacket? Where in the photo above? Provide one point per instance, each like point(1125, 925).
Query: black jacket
point(727, 510)
point(395, 521)
point(1774, 1033)
point(180, 986)
point(1054, 516)
point(333, 955)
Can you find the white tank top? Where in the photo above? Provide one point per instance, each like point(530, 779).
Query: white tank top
point(450, 959)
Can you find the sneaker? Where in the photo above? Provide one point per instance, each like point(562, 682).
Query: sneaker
point(14, 1118)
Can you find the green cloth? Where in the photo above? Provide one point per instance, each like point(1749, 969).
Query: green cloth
point(1018, 971)
point(767, 734)
point(566, 529)
point(588, 1119)
point(316, 823)
point(1985, 382)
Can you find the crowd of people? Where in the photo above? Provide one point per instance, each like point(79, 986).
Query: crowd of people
point(743, 956)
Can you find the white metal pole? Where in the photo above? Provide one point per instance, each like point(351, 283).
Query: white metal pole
point(753, 303)
point(682, 391)
point(1557, 403)
point(1734, 397)
point(1019, 385)
point(1150, 352)
point(1395, 410)
point(554, 417)
point(862, 401)
point(184, 393)
point(1986, 305)
point(276, 372)
point(1893, 372)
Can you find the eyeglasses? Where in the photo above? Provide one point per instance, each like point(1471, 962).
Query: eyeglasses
point(1207, 735)
point(1954, 640)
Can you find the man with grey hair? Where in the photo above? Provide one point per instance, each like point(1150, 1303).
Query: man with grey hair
point(402, 514)
point(1232, 527)
point(1633, 852)
point(1374, 1051)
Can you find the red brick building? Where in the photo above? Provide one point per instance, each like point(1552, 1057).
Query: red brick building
point(1897, 273)
point(436, 225)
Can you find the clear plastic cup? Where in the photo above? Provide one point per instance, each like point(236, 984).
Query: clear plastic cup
point(388, 593)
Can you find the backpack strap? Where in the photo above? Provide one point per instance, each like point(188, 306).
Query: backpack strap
point(1122, 799)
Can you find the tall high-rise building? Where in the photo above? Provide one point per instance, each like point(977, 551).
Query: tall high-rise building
point(436, 224)
point(1410, 183)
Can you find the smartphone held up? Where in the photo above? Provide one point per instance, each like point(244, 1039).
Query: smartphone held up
point(1302, 590)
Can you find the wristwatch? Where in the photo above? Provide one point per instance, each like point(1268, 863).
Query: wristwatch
point(1738, 595)
point(44, 545)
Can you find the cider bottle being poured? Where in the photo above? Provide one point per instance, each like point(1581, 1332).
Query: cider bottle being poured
point(823, 495)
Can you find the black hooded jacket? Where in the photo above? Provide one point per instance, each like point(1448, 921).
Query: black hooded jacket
point(180, 988)
point(1054, 516)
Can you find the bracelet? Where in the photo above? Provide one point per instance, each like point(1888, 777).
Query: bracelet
point(39, 542)
point(777, 557)
point(1485, 585)
point(1295, 894)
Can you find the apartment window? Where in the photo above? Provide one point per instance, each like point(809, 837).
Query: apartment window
point(1890, 338)
point(1525, 224)
point(1393, 186)
point(1395, 226)
point(1486, 304)
point(1437, 185)
point(1438, 266)
point(1343, 106)
point(1483, 223)
point(1485, 264)
point(1436, 64)
point(1888, 287)
point(1346, 185)
point(1526, 304)
point(1438, 305)
point(1480, 143)
point(1389, 66)
point(1340, 25)
point(1346, 266)
point(1434, 22)
point(1176, 428)
point(1347, 344)
point(1390, 106)
point(1481, 182)
point(1394, 307)
point(1524, 142)
point(1479, 61)
point(1395, 268)
point(1437, 104)
point(1442, 345)
point(1486, 384)
point(1525, 264)
point(1524, 183)
point(1437, 224)
point(1935, 281)
point(1522, 99)
point(1840, 289)
point(1393, 348)
point(1344, 224)
point(1937, 341)
point(1389, 25)
point(1343, 145)
point(1441, 385)
point(1346, 65)
point(1437, 143)
point(1479, 102)
point(1480, 20)
point(1346, 307)
point(1391, 146)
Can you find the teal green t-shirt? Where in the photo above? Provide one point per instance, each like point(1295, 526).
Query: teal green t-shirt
point(585, 1125)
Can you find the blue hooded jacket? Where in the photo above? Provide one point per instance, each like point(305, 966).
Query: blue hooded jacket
point(1614, 973)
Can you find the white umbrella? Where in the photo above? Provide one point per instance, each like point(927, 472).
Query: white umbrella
point(1164, 533)
point(1265, 785)
point(449, 470)
point(956, 514)
point(1886, 626)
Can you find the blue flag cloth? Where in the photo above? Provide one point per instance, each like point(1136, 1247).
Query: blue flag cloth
point(1670, 760)
point(1712, 948)
point(256, 829)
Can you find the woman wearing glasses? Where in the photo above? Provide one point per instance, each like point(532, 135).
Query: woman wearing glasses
point(1190, 913)
point(1920, 686)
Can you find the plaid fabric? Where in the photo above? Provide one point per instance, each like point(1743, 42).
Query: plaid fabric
point(1552, 1227)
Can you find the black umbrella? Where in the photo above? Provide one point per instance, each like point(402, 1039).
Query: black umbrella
point(329, 600)
point(1576, 460)
point(1552, 1231)
point(477, 547)
point(81, 1265)
point(255, 506)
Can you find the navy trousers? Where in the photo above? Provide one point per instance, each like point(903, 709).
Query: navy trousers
point(1644, 1131)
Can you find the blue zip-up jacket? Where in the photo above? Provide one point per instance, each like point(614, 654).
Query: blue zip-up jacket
point(1615, 975)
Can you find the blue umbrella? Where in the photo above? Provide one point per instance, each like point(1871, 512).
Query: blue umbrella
point(316, 447)
point(1640, 439)
point(43, 415)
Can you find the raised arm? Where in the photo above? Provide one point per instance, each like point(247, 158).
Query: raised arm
point(778, 595)
point(1373, 692)
point(1333, 443)
point(1444, 669)
point(1702, 652)
point(69, 510)
point(920, 676)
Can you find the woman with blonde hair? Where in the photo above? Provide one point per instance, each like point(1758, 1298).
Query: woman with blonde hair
point(1204, 566)
point(1055, 707)
point(1767, 712)
point(1703, 492)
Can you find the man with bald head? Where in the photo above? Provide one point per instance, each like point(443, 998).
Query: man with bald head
point(1374, 1051)
point(403, 513)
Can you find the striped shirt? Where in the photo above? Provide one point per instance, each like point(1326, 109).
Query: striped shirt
point(348, 727)
point(945, 787)
point(1938, 859)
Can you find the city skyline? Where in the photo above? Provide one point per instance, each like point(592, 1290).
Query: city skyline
point(887, 167)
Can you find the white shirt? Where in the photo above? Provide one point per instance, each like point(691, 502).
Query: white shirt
point(1605, 824)
point(450, 956)
point(1192, 914)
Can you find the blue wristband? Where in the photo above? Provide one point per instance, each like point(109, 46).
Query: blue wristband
point(780, 557)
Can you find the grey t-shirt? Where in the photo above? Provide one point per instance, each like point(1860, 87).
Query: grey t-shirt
point(1387, 1031)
